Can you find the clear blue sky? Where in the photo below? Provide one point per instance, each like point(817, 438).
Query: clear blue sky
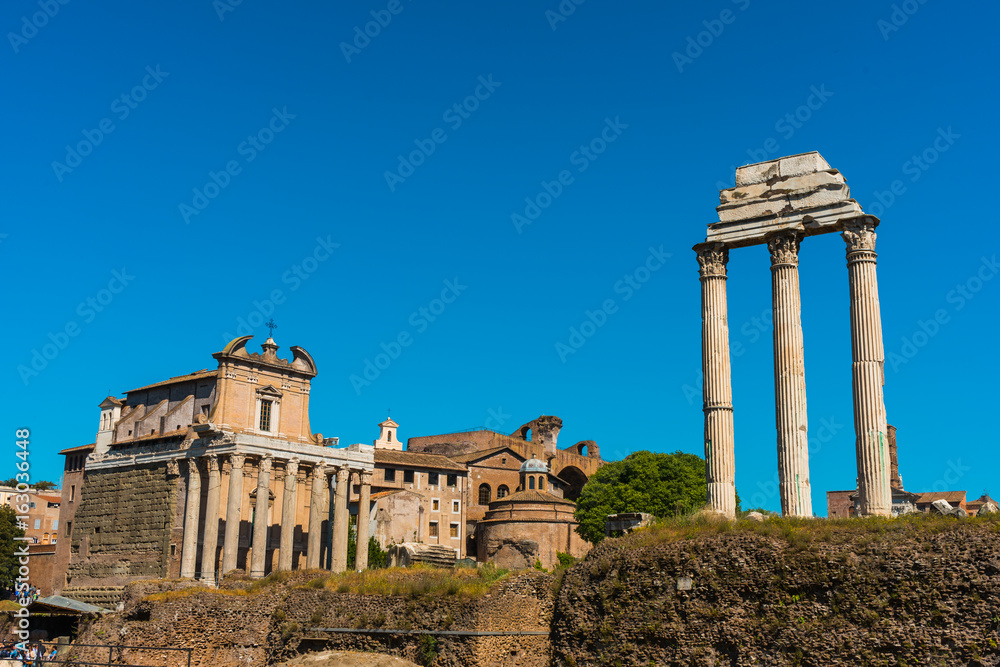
point(308, 129)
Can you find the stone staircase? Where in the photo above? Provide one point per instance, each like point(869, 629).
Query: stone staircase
point(102, 596)
point(408, 553)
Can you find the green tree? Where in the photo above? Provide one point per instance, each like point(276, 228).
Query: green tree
point(41, 486)
point(660, 484)
point(8, 531)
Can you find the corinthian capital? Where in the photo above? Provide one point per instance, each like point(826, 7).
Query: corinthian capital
point(712, 259)
point(859, 234)
point(784, 248)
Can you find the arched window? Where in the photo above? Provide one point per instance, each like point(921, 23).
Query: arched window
point(389, 436)
point(541, 483)
point(531, 482)
point(502, 491)
point(484, 494)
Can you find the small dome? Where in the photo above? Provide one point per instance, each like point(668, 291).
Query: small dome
point(534, 465)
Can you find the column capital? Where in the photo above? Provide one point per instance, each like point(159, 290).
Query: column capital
point(292, 466)
point(366, 477)
point(173, 469)
point(265, 463)
point(236, 460)
point(318, 471)
point(859, 234)
point(343, 472)
point(712, 259)
point(213, 463)
point(784, 248)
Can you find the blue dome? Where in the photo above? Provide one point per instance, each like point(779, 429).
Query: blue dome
point(534, 465)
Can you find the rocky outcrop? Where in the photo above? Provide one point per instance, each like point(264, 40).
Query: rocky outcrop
point(779, 593)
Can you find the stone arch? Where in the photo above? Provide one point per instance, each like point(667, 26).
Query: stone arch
point(587, 448)
point(575, 479)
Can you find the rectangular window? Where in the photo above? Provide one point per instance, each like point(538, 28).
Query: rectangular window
point(72, 493)
point(454, 530)
point(452, 480)
point(433, 532)
point(38, 524)
point(408, 477)
point(432, 478)
point(55, 524)
point(456, 507)
point(435, 505)
point(69, 528)
point(265, 416)
point(390, 474)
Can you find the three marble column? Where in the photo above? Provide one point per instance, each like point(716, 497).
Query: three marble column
point(789, 374)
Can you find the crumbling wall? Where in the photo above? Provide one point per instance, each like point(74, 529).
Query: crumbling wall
point(850, 596)
point(122, 528)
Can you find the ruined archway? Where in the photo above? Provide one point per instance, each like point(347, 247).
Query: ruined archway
point(575, 479)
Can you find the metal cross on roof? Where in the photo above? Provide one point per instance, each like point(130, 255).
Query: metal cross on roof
point(271, 326)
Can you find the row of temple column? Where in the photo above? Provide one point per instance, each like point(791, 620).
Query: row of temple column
point(339, 482)
point(789, 374)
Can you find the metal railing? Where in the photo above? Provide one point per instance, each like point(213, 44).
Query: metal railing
point(66, 651)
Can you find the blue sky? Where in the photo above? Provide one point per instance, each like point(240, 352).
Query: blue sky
point(217, 156)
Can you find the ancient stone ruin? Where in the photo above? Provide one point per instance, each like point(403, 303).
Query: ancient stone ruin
point(781, 202)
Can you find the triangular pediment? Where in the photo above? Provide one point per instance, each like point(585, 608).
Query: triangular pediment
point(269, 390)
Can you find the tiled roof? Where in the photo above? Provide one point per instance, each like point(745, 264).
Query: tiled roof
point(952, 497)
point(384, 494)
point(483, 453)
point(532, 496)
point(81, 448)
point(417, 460)
point(203, 373)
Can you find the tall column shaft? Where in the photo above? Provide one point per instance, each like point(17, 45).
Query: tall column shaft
point(318, 488)
point(288, 515)
point(868, 368)
point(231, 540)
point(192, 508)
point(720, 463)
point(260, 522)
point(210, 542)
point(339, 542)
point(789, 377)
point(364, 506)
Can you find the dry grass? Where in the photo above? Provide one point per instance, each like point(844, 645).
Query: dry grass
point(414, 582)
point(803, 531)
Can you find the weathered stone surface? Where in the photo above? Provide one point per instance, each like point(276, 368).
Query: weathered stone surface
point(756, 208)
point(756, 173)
point(803, 163)
point(988, 508)
point(755, 516)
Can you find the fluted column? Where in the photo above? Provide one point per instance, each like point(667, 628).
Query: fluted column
point(339, 542)
point(720, 462)
point(192, 508)
point(317, 481)
point(868, 370)
point(364, 506)
point(231, 539)
point(260, 522)
point(288, 515)
point(210, 541)
point(789, 376)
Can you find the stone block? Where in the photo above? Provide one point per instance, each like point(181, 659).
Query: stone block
point(806, 182)
point(756, 173)
point(756, 208)
point(804, 163)
point(817, 198)
point(744, 193)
